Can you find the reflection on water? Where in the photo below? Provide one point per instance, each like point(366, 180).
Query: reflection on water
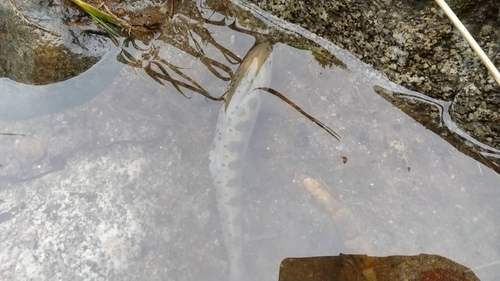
point(119, 185)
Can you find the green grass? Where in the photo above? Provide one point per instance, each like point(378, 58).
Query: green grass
point(99, 16)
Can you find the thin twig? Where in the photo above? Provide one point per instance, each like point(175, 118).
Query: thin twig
point(485, 265)
point(301, 111)
point(465, 33)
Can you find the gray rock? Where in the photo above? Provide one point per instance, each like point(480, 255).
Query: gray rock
point(45, 42)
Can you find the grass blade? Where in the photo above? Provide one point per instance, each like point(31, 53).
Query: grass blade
point(96, 13)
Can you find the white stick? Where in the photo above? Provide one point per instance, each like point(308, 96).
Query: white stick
point(465, 33)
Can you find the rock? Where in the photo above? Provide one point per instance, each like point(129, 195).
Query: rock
point(45, 42)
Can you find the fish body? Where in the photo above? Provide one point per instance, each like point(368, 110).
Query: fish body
point(234, 128)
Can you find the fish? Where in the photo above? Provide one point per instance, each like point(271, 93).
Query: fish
point(235, 125)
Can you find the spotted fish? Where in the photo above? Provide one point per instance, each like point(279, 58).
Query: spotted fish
point(234, 129)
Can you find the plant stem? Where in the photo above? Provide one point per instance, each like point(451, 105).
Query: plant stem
point(465, 33)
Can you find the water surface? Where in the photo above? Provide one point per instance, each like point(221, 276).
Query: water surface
point(119, 188)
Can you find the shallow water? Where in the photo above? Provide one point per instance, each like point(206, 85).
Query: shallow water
point(119, 187)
